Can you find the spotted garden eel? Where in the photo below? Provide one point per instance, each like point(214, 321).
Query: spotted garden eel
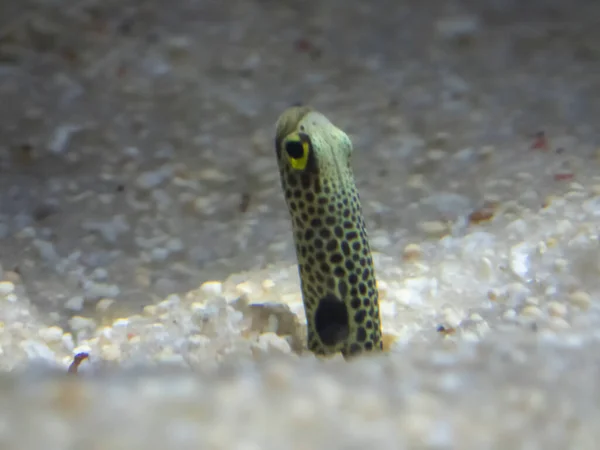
point(334, 258)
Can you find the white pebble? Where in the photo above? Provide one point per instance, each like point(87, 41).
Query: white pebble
point(451, 317)
point(156, 328)
point(75, 303)
point(105, 333)
point(380, 241)
point(131, 152)
point(388, 309)
point(482, 328)
point(434, 228)
point(106, 199)
point(197, 308)
point(561, 264)
point(519, 260)
point(151, 179)
point(99, 274)
point(78, 323)
point(37, 350)
point(557, 309)
point(270, 342)
point(6, 287)
point(99, 290)
point(150, 310)
point(382, 287)
point(168, 357)
point(61, 137)
point(51, 334)
point(104, 304)
point(559, 324)
point(476, 317)
point(302, 411)
point(244, 288)
point(199, 340)
point(121, 323)
point(580, 299)
point(174, 245)
point(110, 352)
point(509, 314)
point(67, 341)
point(213, 288)
point(531, 311)
point(169, 303)
point(212, 174)
point(162, 199)
point(436, 155)
point(419, 283)
point(416, 181)
point(159, 254)
point(404, 296)
point(464, 154)
point(204, 205)
point(108, 230)
point(470, 336)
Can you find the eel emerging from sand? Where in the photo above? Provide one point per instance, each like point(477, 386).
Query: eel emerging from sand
point(339, 290)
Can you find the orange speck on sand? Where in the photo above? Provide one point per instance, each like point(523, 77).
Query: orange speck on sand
point(388, 341)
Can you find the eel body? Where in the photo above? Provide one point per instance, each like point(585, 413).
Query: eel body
point(335, 265)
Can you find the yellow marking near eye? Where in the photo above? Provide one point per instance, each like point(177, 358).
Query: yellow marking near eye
point(301, 162)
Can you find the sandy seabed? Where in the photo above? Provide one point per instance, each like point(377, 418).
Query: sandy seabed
point(142, 222)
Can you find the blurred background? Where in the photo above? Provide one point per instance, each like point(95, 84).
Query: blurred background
point(142, 221)
point(136, 151)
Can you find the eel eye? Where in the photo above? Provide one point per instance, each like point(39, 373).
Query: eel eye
point(294, 149)
point(297, 148)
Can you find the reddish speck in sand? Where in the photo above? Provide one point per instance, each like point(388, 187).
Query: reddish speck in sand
point(540, 142)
